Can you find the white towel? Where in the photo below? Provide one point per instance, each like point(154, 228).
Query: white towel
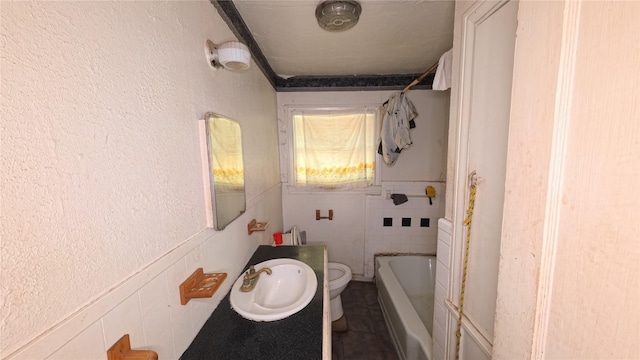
point(442, 80)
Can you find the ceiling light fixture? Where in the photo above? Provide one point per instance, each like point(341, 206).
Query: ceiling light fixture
point(338, 15)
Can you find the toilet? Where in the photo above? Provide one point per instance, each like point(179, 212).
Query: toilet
point(339, 277)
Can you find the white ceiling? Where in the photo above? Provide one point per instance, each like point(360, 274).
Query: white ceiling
point(392, 37)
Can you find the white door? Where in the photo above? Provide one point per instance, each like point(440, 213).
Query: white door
point(488, 42)
point(488, 134)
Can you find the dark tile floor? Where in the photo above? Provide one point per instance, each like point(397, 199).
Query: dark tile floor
point(367, 337)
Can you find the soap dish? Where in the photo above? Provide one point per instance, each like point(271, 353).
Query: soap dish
point(200, 285)
point(257, 226)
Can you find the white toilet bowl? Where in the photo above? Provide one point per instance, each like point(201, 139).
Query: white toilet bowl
point(339, 277)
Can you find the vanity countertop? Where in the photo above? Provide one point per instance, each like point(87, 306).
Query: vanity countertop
point(227, 335)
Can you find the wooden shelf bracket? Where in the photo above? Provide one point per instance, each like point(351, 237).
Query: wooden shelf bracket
point(200, 285)
point(121, 350)
point(254, 226)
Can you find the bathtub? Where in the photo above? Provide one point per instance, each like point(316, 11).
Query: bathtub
point(406, 285)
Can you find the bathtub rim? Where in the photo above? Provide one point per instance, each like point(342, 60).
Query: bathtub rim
point(413, 325)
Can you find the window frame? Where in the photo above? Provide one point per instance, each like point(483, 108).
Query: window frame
point(288, 176)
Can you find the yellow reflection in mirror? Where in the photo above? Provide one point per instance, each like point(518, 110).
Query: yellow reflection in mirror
point(224, 142)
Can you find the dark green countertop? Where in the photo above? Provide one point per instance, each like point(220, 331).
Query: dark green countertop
point(227, 335)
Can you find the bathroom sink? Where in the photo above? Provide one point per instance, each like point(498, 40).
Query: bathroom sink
point(287, 290)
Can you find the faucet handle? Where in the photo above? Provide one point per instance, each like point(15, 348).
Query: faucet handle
point(251, 270)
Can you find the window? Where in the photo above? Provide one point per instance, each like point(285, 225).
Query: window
point(334, 149)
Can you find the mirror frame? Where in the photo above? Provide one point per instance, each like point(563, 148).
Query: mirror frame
point(220, 222)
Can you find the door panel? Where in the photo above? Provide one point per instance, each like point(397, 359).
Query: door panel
point(488, 133)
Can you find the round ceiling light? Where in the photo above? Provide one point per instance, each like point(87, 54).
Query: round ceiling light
point(338, 15)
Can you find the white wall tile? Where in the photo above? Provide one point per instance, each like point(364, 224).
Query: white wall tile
point(438, 353)
point(443, 254)
point(136, 337)
point(175, 275)
point(157, 331)
point(445, 226)
point(156, 323)
point(181, 324)
point(199, 310)
point(193, 260)
point(122, 320)
point(153, 294)
point(438, 334)
point(440, 294)
point(89, 344)
point(163, 345)
point(181, 328)
point(440, 315)
point(442, 275)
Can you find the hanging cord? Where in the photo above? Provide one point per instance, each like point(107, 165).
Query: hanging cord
point(467, 222)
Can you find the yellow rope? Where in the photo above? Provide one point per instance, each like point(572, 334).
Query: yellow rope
point(467, 222)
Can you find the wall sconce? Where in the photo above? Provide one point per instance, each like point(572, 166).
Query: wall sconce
point(231, 55)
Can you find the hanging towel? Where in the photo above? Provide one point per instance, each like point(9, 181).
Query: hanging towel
point(398, 118)
point(442, 79)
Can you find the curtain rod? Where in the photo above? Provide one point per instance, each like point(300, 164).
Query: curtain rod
point(421, 77)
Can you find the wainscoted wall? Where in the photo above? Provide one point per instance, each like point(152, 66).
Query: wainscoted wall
point(411, 227)
point(359, 215)
point(147, 305)
point(103, 207)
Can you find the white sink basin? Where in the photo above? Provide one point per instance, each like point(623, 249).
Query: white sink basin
point(290, 287)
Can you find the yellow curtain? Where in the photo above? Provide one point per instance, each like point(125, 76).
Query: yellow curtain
point(334, 149)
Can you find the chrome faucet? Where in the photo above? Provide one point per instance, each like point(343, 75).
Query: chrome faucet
point(251, 278)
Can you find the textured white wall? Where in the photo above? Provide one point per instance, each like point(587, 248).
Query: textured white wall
point(597, 264)
point(101, 170)
point(539, 39)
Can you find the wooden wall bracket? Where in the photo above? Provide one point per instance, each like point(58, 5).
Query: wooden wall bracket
point(121, 350)
point(254, 226)
point(330, 217)
point(200, 285)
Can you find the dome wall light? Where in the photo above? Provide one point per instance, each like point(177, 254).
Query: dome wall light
point(338, 15)
point(231, 55)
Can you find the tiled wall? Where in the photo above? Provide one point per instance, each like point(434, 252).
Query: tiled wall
point(441, 325)
point(147, 305)
point(398, 238)
point(152, 316)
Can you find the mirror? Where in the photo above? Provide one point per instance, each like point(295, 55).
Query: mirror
point(226, 170)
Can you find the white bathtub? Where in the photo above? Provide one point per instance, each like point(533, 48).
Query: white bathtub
point(406, 286)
